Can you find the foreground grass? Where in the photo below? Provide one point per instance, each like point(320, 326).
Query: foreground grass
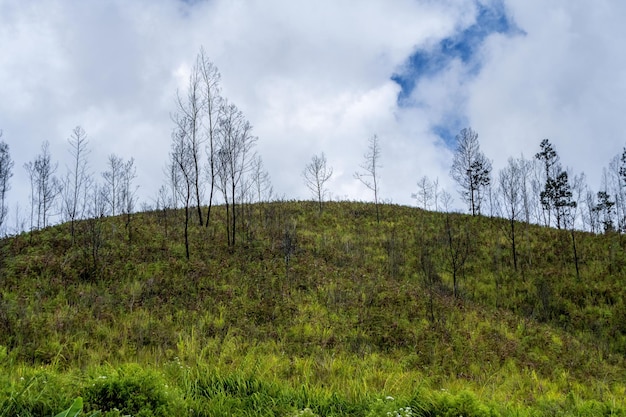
point(349, 326)
point(176, 389)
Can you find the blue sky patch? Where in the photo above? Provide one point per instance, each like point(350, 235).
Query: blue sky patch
point(447, 131)
point(462, 46)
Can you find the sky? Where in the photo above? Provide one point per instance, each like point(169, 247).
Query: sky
point(318, 76)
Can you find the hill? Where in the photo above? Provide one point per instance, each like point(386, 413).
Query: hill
point(309, 313)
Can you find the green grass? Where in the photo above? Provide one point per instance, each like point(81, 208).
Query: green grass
point(362, 321)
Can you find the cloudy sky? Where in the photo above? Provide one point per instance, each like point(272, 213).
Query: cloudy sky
point(319, 76)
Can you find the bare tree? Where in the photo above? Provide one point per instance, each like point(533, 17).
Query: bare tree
point(45, 186)
point(316, 173)
point(537, 182)
point(262, 185)
point(49, 184)
point(77, 181)
point(570, 212)
point(172, 181)
point(613, 184)
point(510, 179)
point(601, 211)
point(529, 206)
point(30, 169)
point(591, 215)
point(493, 199)
point(525, 169)
point(222, 184)
point(181, 160)
point(189, 109)
point(235, 156)
point(128, 193)
point(20, 222)
point(471, 169)
point(371, 166)
point(446, 200)
point(212, 101)
point(425, 192)
point(436, 193)
point(617, 167)
point(261, 181)
point(6, 172)
point(164, 204)
point(93, 235)
point(457, 238)
point(112, 184)
point(456, 241)
point(118, 191)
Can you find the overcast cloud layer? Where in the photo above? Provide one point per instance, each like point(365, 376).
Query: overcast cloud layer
point(319, 76)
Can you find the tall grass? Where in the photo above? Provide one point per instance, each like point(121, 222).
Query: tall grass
point(353, 327)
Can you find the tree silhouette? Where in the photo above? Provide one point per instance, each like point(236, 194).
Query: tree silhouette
point(316, 174)
point(471, 169)
point(78, 180)
point(6, 172)
point(371, 166)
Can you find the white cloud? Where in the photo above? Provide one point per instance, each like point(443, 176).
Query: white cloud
point(312, 76)
point(564, 81)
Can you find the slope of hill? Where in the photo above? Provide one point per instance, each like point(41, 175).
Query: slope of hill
point(313, 313)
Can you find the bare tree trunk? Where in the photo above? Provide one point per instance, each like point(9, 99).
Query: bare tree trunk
point(315, 175)
point(182, 170)
point(230, 242)
point(235, 159)
point(77, 181)
point(234, 215)
point(470, 168)
point(458, 251)
point(6, 172)
point(187, 229)
point(212, 180)
point(575, 254)
point(371, 166)
point(513, 248)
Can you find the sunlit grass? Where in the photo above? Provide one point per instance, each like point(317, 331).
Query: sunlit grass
point(349, 331)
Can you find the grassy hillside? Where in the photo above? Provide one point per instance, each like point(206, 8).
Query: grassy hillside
point(313, 314)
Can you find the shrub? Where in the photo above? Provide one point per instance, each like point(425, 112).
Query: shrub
point(132, 391)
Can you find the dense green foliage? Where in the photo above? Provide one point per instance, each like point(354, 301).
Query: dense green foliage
point(313, 313)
